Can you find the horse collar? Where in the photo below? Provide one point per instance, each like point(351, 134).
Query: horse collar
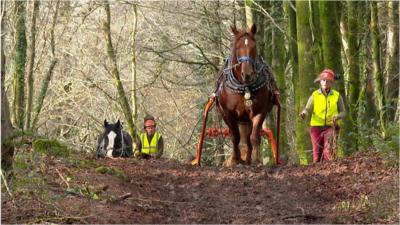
point(240, 88)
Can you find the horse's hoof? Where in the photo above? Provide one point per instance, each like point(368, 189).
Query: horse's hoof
point(256, 162)
point(233, 162)
point(230, 163)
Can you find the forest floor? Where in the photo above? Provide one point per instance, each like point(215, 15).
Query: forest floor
point(358, 189)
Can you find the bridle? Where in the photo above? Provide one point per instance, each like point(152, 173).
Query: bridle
point(261, 69)
point(246, 58)
point(258, 67)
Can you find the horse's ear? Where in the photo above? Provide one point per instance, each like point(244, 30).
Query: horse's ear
point(118, 123)
point(253, 29)
point(234, 29)
point(105, 123)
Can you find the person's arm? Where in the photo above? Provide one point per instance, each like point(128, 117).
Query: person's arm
point(341, 109)
point(307, 109)
point(160, 147)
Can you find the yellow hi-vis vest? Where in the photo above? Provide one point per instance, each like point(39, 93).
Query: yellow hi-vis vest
point(325, 107)
point(149, 148)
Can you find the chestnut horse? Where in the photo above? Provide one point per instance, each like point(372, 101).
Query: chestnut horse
point(246, 92)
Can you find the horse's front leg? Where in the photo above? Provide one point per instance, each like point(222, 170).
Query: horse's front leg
point(249, 149)
point(235, 158)
point(255, 138)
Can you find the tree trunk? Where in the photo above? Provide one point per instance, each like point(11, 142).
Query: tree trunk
point(30, 78)
point(293, 60)
point(267, 37)
point(317, 47)
point(392, 60)
point(123, 101)
point(354, 69)
point(216, 117)
point(331, 45)
point(278, 66)
point(376, 62)
point(7, 130)
point(248, 13)
point(306, 77)
point(367, 110)
point(134, 73)
point(49, 74)
point(330, 37)
point(292, 40)
point(266, 51)
point(19, 63)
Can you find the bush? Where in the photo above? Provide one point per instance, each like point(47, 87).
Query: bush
point(387, 145)
point(50, 147)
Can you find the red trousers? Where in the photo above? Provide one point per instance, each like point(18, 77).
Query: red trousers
point(321, 139)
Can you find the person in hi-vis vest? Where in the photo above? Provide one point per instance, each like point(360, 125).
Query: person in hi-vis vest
point(327, 107)
point(149, 144)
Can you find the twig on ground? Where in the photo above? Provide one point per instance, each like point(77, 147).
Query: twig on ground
point(62, 218)
point(50, 204)
point(122, 197)
point(62, 178)
point(125, 196)
point(6, 186)
point(307, 216)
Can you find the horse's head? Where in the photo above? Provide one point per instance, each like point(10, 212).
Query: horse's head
point(244, 53)
point(111, 138)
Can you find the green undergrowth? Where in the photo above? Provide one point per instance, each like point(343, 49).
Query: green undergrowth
point(35, 168)
point(84, 191)
point(45, 171)
point(385, 144)
point(112, 171)
point(380, 208)
point(50, 147)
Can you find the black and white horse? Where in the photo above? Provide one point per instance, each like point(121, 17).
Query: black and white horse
point(114, 141)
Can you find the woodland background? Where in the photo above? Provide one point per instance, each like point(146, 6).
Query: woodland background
point(68, 65)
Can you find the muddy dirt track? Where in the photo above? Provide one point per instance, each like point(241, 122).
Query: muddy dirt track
point(166, 191)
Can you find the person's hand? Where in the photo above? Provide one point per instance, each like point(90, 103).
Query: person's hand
point(334, 119)
point(302, 115)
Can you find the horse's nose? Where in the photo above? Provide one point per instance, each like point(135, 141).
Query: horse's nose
point(246, 76)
